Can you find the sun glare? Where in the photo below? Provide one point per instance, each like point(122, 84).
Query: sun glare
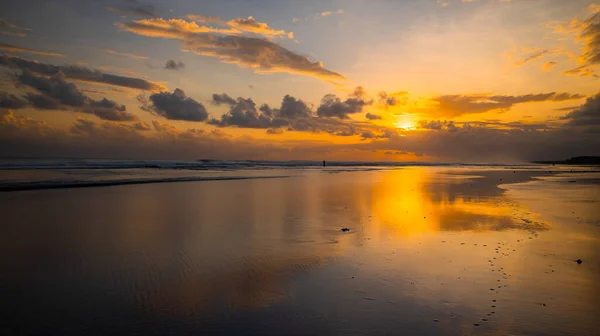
point(405, 122)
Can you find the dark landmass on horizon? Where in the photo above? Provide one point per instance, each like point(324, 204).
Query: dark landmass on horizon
point(577, 160)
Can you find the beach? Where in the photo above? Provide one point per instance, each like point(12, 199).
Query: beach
point(260, 250)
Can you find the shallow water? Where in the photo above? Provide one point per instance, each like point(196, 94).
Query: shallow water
point(430, 250)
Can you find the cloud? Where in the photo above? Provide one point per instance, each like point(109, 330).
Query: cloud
point(172, 65)
point(581, 71)
point(386, 100)
point(80, 73)
point(110, 110)
point(332, 106)
point(370, 116)
point(21, 135)
point(456, 105)
point(328, 13)
point(319, 15)
point(252, 26)
point(294, 115)
point(292, 108)
point(135, 8)
point(222, 98)
point(591, 35)
point(438, 125)
point(141, 126)
point(176, 106)
point(112, 52)
point(236, 26)
point(55, 93)
point(587, 114)
point(17, 49)
point(243, 113)
point(10, 101)
point(260, 55)
point(8, 28)
point(106, 131)
point(587, 32)
point(204, 18)
point(55, 88)
point(16, 129)
point(531, 55)
point(467, 143)
point(548, 66)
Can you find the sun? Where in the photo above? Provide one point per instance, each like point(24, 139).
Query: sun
point(405, 121)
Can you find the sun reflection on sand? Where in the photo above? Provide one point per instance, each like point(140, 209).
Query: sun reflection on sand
point(411, 202)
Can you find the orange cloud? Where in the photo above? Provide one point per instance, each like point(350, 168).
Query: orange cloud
point(17, 49)
point(549, 66)
point(112, 52)
point(8, 28)
point(456, 105)
point(252, 26)
point(263, 56)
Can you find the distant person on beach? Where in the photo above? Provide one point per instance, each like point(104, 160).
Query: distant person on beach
point(324, 164)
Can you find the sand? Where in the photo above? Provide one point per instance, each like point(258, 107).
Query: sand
point(429, 251)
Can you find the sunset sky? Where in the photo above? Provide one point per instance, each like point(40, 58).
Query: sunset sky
point(430, 80)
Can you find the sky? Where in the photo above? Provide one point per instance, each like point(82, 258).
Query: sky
point(497, 81)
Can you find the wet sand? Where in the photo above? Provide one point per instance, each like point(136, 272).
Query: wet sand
point(429, 251)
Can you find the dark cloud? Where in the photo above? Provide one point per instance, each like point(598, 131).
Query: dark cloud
point(141, 126)
point(17, 49)
point(55, 93)
point(244, 114)
point(177, 106)
point(371, 116)
point(80, 73)
point(20, 135)
point(8, 28)
point(11, 101)
point(274, 131)
point(106, 131)
point(293, 114)
point(110, 110)
point(222, 98)
point(591, 34)
point(438, 125)
point(455, 105)
point(396, 153)
point(397, 98)
point(587, 114)
point(533, 55)
point(369, 134)
point(44, 102)
point(172, 65)
point(292, 108)
point(332, 106)
point(55, 87)
point(260, 55)
point(267, 110)
point(492, 145)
